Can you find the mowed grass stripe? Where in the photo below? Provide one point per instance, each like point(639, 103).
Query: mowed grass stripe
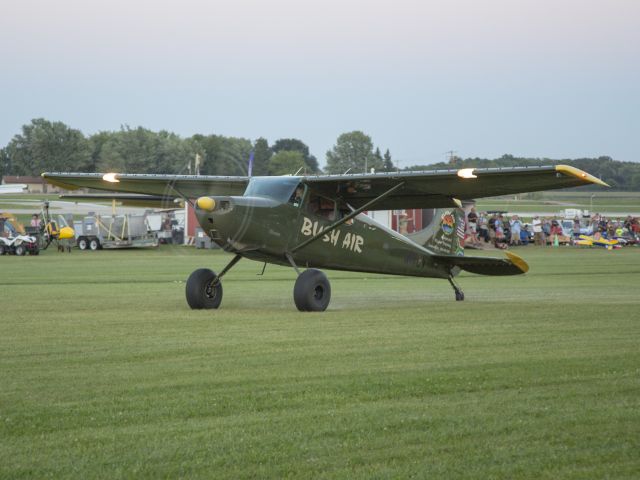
point(534, 376)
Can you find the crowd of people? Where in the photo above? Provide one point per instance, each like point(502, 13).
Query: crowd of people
point(503, 231)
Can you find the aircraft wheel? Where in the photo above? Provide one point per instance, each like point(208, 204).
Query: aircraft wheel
point(204, 290)
point(82, 243)
point(312, 291)
point(459, 296)
point(94, 244)
point(2, 250)
point(20, 250)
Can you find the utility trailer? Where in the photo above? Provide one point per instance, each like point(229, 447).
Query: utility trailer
point(94, 232)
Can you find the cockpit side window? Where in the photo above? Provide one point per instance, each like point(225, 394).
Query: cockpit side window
point(321, 206)
point(297, 196)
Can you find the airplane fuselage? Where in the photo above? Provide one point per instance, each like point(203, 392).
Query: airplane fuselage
point(266, 230)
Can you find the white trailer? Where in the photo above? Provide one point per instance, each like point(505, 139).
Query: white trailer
point(114, 231)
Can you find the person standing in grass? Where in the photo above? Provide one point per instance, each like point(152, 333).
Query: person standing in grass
point(538, 236)
point(546, 230)
point(516, 225)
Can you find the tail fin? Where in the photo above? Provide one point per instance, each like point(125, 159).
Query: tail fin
point(445, 233)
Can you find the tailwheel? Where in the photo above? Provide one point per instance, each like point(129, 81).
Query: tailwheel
point(204, 289)
point(458, 291)
point(312, 291)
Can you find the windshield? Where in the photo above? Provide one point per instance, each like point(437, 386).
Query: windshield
point(277, 188)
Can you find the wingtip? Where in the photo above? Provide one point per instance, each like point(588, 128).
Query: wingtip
point(518, 262)
point(581, 174)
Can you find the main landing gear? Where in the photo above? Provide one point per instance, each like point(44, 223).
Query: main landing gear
point(204, 288)
point(311, 293)
point(457, 289)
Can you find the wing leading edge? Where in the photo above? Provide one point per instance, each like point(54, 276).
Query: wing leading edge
point(190, 186)
point(440, 188)
point(430, 189)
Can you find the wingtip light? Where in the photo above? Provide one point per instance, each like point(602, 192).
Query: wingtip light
point(110, 177)
point(466, 173)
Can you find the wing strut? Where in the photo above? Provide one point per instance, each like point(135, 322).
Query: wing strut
point(181, 195)
point(345, 219)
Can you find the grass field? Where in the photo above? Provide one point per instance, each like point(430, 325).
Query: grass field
point(619, 203)
point(105, 373)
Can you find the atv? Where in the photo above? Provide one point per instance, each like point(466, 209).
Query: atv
point(19, 245)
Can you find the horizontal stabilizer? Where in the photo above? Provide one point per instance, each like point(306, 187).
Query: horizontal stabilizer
point(512, 265)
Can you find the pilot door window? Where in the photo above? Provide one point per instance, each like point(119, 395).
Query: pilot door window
point(322, 207)
point(297, 196)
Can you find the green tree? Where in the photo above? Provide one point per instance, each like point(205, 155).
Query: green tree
point(143, 151)
point(129, 150)
point(174, 154)
point(48, 146)
point(4, 163)
point(353, 151)
point(286, 162)
point(387, 163)
point(377, 156)
point(261, 155)
point(96, 142)
point(295, 145)
point(223, 155)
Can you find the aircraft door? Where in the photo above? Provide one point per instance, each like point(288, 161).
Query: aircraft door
point(316, 214)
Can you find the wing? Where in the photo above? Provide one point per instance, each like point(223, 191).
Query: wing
point(441, 188)
point(190, 186)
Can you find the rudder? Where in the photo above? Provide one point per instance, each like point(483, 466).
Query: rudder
point(445, 234)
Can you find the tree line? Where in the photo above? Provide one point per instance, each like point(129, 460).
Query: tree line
point(43, 145)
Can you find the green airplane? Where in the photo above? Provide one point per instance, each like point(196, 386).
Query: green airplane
point(317, 221)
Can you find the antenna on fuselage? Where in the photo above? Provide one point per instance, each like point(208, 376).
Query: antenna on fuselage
point(298, 171)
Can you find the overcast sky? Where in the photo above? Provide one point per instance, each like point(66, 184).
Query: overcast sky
point(539, 78)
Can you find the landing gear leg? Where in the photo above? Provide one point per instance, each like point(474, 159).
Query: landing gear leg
point(204, 288)
point(457, 289)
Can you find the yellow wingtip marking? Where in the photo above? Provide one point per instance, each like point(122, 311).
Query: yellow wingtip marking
point(518, 262)
point(582, 175)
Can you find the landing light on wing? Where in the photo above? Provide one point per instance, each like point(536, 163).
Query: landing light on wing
point(466, 173)
point(110, 177)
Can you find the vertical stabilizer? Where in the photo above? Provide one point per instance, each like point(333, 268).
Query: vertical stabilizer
point(445, 233)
